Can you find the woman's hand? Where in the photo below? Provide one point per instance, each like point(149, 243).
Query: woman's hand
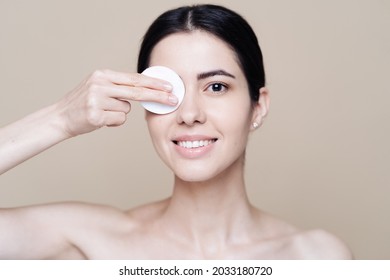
point(103, 100)
point(100, 100)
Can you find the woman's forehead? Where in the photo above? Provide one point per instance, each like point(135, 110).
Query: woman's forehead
point(198, 50)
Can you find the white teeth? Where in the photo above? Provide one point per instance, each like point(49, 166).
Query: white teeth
point(194, 144)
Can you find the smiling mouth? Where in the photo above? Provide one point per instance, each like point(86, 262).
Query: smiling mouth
point(195, 144)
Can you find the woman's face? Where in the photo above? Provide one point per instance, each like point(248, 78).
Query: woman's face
point(207, 135)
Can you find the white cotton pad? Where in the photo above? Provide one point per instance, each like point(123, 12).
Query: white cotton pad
point(164, 73)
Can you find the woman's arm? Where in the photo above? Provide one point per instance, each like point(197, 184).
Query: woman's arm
point(59, 231)
point(30, 136)
point(32, 233)
point(53, 231)
point(100, 100)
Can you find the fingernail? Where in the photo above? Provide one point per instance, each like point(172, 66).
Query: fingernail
point(168, 87)
point(173, 99)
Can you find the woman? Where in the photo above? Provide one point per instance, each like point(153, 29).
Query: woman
point(203, 142)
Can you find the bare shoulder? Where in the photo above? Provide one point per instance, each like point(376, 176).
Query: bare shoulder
point(286, 241)
point(71, 211)
point(320, 244)
point(148, 212)
point(90, 215)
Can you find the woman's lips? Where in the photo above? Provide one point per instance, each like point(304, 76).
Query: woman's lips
point(194, 146)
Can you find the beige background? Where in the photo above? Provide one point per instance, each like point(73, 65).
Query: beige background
point(321, 159)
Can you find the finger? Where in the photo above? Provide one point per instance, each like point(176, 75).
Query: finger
point(114, 118)
point(116, 105)
point(140, 94)
point(137, 80)
point(150, 95)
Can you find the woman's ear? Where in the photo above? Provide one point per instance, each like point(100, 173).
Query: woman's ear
point(261, 108)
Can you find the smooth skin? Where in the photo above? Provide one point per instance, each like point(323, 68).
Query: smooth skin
point(208, 216)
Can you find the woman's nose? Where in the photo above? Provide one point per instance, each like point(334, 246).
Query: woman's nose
point(191, 111)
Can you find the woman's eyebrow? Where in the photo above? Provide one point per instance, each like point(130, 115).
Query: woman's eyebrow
point(212, 73)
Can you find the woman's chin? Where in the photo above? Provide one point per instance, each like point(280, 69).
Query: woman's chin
point(194, 176)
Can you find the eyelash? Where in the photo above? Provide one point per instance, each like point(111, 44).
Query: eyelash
point(222, 85)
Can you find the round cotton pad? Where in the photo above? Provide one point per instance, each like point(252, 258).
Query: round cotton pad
point(164, 73)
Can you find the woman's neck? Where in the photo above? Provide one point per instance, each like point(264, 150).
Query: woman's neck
point(211, 213)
